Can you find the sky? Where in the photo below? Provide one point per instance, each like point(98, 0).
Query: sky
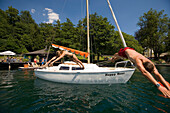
point(127, 11)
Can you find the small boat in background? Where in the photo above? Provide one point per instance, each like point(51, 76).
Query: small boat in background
point(30, 67)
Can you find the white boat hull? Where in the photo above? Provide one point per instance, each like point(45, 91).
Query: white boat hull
point(87, 76)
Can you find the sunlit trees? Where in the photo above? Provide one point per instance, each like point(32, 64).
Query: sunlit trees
point(153, 31)
point(20, 33)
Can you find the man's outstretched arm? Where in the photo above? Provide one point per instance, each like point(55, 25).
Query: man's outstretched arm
point(57, 59)
point(115, 57)
point(49, 61)
point(148, 75)
point(160, 78)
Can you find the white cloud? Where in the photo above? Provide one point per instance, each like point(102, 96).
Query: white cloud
point(49, 10)
point(32, 10)
point(44, 14)
point(51, 16)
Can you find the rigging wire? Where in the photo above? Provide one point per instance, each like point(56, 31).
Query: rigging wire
point(81, 32)
point(63, 7)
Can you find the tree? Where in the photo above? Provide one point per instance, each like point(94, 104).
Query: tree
point(116, 42)
point(153, 31)
point(57, 29)
point(26, 17)
point(4, 26)
point(47, 32)
point(12, 15)
point(30, 37)
point(82, 36)
point(100, 33)
point(20, 33)
point(167, 40)
point(68, 34)
point(132, 42)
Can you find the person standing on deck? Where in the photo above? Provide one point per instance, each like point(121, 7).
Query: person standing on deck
point(145, 66)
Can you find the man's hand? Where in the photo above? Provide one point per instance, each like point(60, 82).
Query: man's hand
point(165, 92)
point(113, 59)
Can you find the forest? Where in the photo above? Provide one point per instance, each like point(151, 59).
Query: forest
point(20, 33)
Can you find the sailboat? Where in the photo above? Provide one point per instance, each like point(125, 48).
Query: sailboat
point(69, 72)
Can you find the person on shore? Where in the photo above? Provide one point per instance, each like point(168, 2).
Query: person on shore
point(42, 61)
point(60, 54)
point(145, 66)
point(35, 62)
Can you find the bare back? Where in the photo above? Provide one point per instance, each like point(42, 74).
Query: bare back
point(68, 53)
point(134, 56)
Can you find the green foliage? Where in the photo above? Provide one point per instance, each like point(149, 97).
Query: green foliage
point(167, 39)
point(20, 33)
point(100, 32)
point(153, 32)
point(133, 43)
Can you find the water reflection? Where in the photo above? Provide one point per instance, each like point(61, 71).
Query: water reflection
point(137, 95)
point(72, 97)
point(87, 97)
point(21, 91)
point(6, 79)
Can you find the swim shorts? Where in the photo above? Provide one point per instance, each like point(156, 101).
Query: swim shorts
point(122, 52)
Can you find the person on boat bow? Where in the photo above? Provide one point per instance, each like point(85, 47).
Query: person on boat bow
point(145, 66)
point(60, 54)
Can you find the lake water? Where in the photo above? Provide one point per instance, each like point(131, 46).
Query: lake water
point(22, 92)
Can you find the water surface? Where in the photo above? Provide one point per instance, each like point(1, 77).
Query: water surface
point(22, 92)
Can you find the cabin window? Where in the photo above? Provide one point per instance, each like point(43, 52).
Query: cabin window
point(64, 68)
point(77, 68)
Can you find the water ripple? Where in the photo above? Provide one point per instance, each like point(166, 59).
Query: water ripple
point(24, 93)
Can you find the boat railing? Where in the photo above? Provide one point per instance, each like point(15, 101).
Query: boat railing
point(125, 63)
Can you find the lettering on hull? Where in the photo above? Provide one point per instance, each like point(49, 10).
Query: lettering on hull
point(113, 74)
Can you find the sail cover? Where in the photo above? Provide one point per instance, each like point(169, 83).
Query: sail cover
point(85, 54)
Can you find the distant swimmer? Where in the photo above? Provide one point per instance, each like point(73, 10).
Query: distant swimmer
point(146, 67)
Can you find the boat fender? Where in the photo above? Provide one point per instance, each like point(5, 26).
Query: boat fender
point(162, 84)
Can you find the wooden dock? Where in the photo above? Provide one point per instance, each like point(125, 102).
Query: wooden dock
point(13, 65)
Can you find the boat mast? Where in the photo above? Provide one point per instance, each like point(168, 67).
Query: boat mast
point(88, 39)
point(122, 38)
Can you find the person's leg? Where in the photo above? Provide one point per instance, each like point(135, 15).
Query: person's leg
point(78, 61)
point(81, 63)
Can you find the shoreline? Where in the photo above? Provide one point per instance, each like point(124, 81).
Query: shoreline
point(167, 65)
point(15, 65)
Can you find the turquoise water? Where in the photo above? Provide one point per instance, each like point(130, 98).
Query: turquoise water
point(22, 92)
